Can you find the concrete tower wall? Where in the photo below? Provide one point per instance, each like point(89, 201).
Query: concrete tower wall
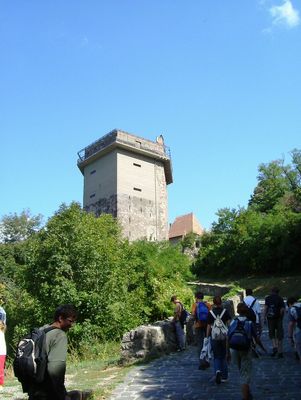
point(126, 176)
point(100, 185)
point(141, 207)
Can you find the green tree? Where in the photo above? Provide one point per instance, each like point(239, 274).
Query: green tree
point(15, 228)
point(84, 260)
point(272, 186)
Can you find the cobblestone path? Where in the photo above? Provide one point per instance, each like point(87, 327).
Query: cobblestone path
point(177, 377)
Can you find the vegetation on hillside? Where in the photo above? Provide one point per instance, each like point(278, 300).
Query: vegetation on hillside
point(80, 259)
point(265, 237)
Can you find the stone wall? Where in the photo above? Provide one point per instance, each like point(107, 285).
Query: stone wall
point(159, 338)
point(210, 289)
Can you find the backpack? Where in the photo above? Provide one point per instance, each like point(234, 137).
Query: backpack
point(201, 311)
point(184, 315)
point(219, 329)
point(30, 361)
point(272, 311)
point(239, 335)
point(251, 316)
point(298, 320)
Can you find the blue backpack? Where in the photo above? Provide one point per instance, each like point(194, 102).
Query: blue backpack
point(201, 311)
point(239, 335)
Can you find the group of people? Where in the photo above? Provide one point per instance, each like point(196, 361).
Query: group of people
point(236, 338)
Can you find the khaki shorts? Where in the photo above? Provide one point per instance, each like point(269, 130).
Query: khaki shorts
point(243, 359)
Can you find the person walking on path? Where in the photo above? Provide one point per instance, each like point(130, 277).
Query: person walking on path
point(178, 324)
point(240, 335)
point(273, 312)
point(2, 352)
point(253, 304)
point(218, 342)
point(294, 325)
point(200, 310)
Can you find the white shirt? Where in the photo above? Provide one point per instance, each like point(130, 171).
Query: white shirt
point(2, 344)
point(256, 307)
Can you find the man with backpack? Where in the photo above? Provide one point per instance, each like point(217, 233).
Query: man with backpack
point(51, 386)
point(200, 310)
point(178, 322)
point(273, 312)
point(240, 335)
point(254, 307)
point(218, 319)
point(294, 325)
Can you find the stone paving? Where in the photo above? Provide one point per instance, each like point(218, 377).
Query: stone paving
point(177, 377)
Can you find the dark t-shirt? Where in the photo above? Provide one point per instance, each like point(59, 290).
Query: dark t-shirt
point(274, 303)
point(217, 311)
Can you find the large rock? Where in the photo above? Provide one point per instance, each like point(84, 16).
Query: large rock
point(149, 341)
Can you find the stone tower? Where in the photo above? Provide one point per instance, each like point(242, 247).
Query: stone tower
point(126, 176)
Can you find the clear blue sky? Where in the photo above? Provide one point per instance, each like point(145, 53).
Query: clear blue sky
point(221, 80)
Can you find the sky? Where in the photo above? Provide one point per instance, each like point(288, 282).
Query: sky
point(220, 80)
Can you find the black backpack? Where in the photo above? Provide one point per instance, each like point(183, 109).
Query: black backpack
point(184, 315)
point(251, 316)
point(30, 361)
point(272, 311)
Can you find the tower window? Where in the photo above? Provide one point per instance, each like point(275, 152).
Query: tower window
point(92, 195)
point(137, 189)
point(93, 172)
point(137, 165)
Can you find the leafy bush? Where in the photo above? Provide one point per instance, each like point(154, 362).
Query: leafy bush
point(80, 259)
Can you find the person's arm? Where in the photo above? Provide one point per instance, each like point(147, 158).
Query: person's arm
point(290, 330)
point(227, 318)
point(177, 312)
point(208, 330)
point(282, 308)
point(291, 326)
point(193, 311)
point(265, 310)
point(210, 321)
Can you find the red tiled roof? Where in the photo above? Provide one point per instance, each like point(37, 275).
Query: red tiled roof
point(183, 225)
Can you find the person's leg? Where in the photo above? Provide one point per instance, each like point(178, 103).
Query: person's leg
point(2, 363)
point(198, 339)
point(217, 349)
point(245, 391)
point(201, 337)
point(224, 369)
point(180, 335)
point(297, 338)
point(272, 335)
point(223, 362)
point(280, 335)
point(245, 373)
